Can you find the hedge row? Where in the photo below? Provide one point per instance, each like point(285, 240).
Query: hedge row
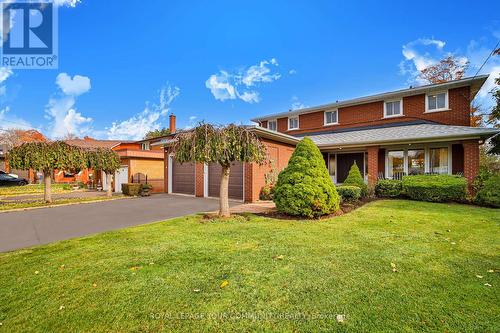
point(434, 188)
point(349, 193)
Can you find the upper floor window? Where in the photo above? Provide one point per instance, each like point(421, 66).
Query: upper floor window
point(436, 102)
point(145, 146)
point(293, 123)
point(393, 108)
point(331, 117)
point(272, 125)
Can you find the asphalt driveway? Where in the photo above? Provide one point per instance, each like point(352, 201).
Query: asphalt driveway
point(41, 226)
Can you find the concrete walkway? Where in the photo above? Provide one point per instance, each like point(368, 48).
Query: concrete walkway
point(45, 225)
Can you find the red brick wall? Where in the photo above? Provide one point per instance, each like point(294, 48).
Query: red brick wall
point(277, 152)
point(373, 165)
point(471, 160)
point(370, 114)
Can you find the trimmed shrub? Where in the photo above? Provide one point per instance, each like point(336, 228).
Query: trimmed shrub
point(489, 194)
point(354, 178)
point(349, 193)
point(435, 188)
point(131, 189)
point(304, 187)
point(388, 188)
point(266, 193)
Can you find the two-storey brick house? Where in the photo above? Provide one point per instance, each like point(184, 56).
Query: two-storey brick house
point(418, 130)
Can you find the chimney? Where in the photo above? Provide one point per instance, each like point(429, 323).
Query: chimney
point(172, 123)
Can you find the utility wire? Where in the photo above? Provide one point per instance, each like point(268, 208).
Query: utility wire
point(487, 58)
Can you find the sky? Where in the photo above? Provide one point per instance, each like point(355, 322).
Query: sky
point(125, 65)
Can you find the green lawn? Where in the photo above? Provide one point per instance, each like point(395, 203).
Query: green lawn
point(291, 275)
point(32, 189)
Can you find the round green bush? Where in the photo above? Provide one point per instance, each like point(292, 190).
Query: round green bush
point(349, 193)
point(354, 178)
point(489, 194)
point(389, 188)
point(304, 187)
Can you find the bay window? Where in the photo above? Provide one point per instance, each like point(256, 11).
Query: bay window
point(395, 163)
point(416, 162)
point(438, 160)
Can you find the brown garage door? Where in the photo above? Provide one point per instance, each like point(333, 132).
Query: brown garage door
point(183, 177)
point(235, 180)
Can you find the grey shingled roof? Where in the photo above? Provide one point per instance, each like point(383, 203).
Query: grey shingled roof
point(400, 134)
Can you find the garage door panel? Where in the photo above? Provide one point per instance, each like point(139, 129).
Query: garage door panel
point(183, 177)
point(235, 180)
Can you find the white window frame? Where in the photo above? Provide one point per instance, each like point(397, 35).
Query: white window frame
point(275, 121)
point(145, 146)
point(298, 123)
point(400, 108)
point(325, 123)
point(446, 101)
point(426, 148)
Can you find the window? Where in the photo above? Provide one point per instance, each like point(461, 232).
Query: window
point(416, 162)
point(293, 123)
point(393, 108)
point(272, 125)
point(395, 163)
point(331, 117)
point(436, 102)
point(145, 146)
point(439, 160)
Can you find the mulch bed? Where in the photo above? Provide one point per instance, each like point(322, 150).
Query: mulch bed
point(345, 207)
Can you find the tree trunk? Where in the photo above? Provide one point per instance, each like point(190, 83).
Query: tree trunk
point(224, 193)
point(109, 179)
point(47, 188)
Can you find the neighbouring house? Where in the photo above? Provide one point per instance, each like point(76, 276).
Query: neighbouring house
point(417, 130)
point(3, 152)
point(137, 165)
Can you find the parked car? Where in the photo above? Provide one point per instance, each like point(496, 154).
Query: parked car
point(8, 180)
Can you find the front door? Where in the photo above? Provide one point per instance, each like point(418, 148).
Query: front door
point(121, 177)
point(344, 163)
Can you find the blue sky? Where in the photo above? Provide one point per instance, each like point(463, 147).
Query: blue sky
point(124, 65)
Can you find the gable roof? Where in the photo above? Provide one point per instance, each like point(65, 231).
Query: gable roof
point(474, 82)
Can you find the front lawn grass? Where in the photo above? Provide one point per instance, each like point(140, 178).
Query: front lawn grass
point(11, 205)
point(283, 275)
point(32, 189)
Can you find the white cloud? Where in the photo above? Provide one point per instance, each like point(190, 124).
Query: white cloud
point(297, 104)
point(73, 86)
point(220, 87)
point(9, 121)
point(192, 122)
point(242, 84)
point(136, 127)
point(292, 71)
point(250, 96)
point(424, 52)
point(5, 73)
point(61, 111)
point(67, 3)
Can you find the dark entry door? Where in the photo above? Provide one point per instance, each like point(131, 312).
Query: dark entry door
point(235, 180)
point(344, 163)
